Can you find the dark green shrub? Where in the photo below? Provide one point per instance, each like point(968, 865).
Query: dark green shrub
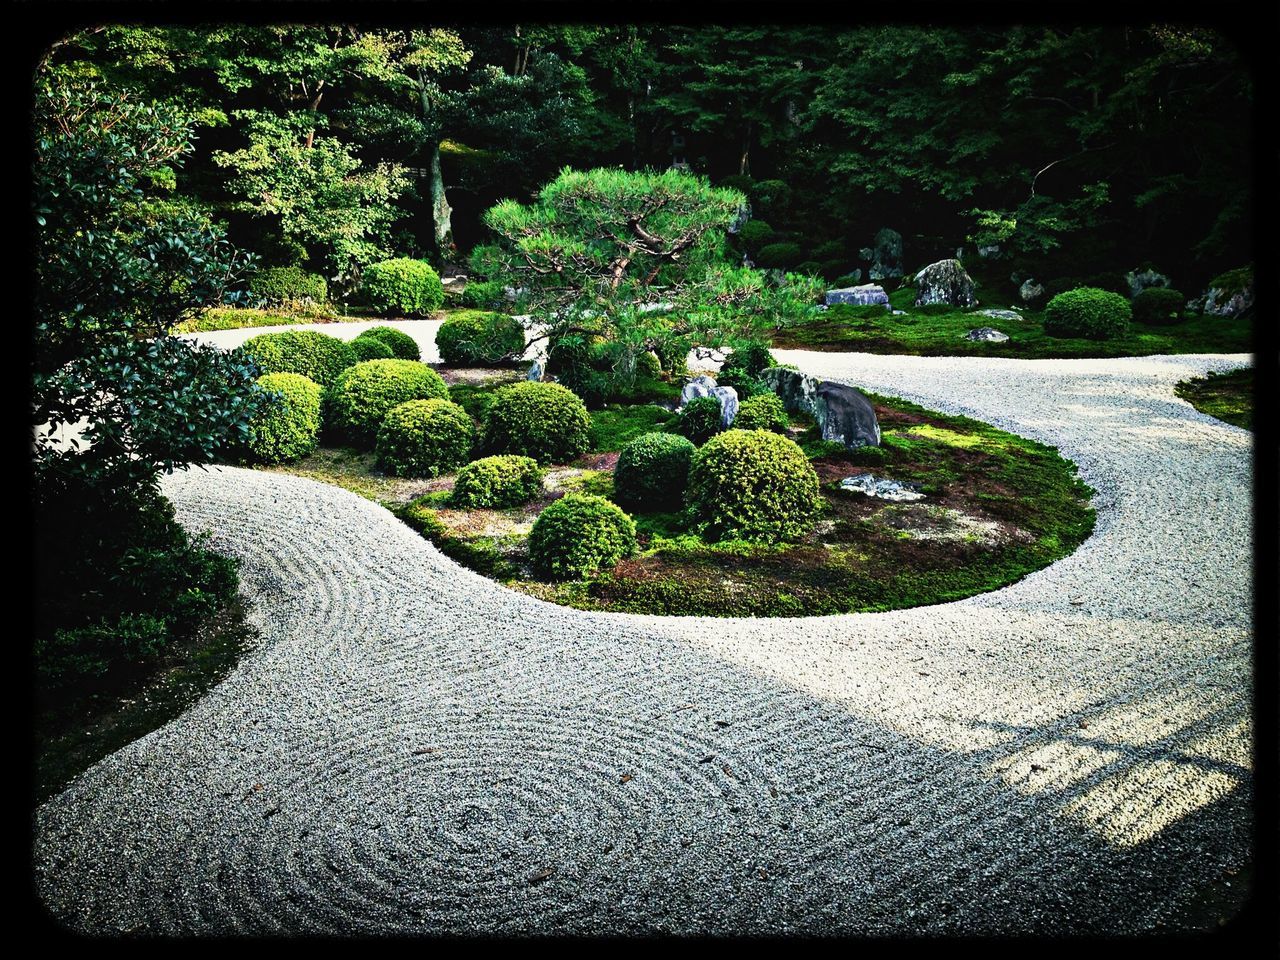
point(1159, 306)
point(648, 366)
point(544, 421)
point(483, 294)
point(1062, 285)
point(772, 197)
point(699, 421)
point(495, 483)
point(401, 344)
point(316, 356)
point(755, 234)
point(737, 181)
point(848, 280)
point(810, 268)
point(748, 360)
point(476, 337)
point(402, 286)
point(581, 363)
point(673, 354)
point(653, 471)
point(831, 250)
point(579, 535)
point(831, 270)
point(1089, 313)
point(764, 411)
point(289, 428)
point(1233, 281)
point(88, 653)
point(1110, 281)
point(424, 438)
point(362, 395)
point(367, 348)
point(780, 255)
point(753, 485)
point(276, 286)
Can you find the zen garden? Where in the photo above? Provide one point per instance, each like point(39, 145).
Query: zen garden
point(636, 479)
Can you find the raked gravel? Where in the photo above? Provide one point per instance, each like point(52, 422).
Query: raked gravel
point(414, 749)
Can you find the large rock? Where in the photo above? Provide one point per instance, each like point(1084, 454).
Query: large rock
point(866, 295)
point(886, 253)
point(705, 386)
point(843, 414)
point(697, 387)
point(1030, 291)
point(1227, 301)
point(1144, 280)
point(535, 371)
point(945, 282)
point(1012, 316)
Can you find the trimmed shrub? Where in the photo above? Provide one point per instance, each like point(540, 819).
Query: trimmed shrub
point(424, 438)
point(771, 196)
point(1159, 306)
point(1062, 285)
point(1087, 312)
point(483, 294)
point(699, 421)
point(402, 285)
point(578, 535)
point(746, 361)
point(362, 395)
point(477, 337)
point(764, 411)
point(495, 483)
point(289, 428)
point(753, 485)
point(755, 234)
point(673, 354)
point(544, 421)
point(400, 343)
point(653, 471)
point(1112, 282)
point(737, 181)
point(316, 356)
point(283, 285)
point(367, 348)
point(831, 250)
point(648, 366)
point(848, 280)
point(810, 268)
point(781, 255)
point(1233, 281)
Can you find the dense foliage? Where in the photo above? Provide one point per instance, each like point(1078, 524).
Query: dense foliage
point(314, 355)
point(579, 535)
point(653, 471)
point(289, 428)
point(369, 348)
point(1088, 312)
point(700, 420)
point(477, 337)
point(764, 411)
point(753, 485)
point(424, 438)
point(277, 286)
point(402, 286)
point(544, 421)
point(497, 482)
point(1159, 306)
point(363, 394)
point(402, 345)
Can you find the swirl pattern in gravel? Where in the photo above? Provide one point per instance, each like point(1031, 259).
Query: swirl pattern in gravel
point(414, 749)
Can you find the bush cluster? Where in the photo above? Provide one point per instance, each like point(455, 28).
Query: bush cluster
point(745, 365)
point(316, 356)
point(753, 485)
point(478, 337)
point(276, 286)
point(699, 421)
point(289, 428)
point(653, 471)
point(1089, 313)
point(579, 535)
point(367, 348)
point(673, 355)
point(495, 483)
point(755, 234)
point(424, 438)
point(483, 294)
point(1159, 306)
point(764, 411)
point(779, 255)
point(362, 395)
point(544, 421)
point(401, 345)
point(403, 286)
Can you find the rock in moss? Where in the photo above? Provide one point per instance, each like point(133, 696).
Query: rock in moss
point(945, 282)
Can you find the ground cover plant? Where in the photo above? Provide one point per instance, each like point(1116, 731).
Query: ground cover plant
point(1227, 396)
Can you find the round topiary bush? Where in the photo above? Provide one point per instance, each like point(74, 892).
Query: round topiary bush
point(495, 483)
point(424, 438)
point(578, 535)
point(402, 286)
point(289, 428)
point(1087, 312)
point(1159, 306)
point(316, 356)
point(699, 421)
point(781, 255)
point(755, 234)
point(274, 286)
point(764, 411)
point(653, 471)
point(400, 343)
point(753, 485)
point(367, 348)
point(483, 294)
point(362, 395)
point(544, 421)
point(648, 366)
point(478, 337)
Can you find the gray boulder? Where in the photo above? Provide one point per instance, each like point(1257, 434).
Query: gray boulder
point(1221, 302)
point(1144, 281)
point(986, 335)
point(798, 391)
point(842, 413)
point(945, 282)
point(705, 386)
point(697, 387)
point(535, 371)
point(1030, 290)
point(886, 253)
point(728, 398)
point(1011, 315)
point(866, 295)
point(882, 488)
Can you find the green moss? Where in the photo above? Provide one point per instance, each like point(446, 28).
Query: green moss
point(613, 427)
point(1227, 396)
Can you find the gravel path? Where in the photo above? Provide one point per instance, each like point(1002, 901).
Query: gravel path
point(414, 749)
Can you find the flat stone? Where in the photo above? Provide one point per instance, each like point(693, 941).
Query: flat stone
point(882, 488)
point(1012, 315)
point(868, 294)
point(986, 335)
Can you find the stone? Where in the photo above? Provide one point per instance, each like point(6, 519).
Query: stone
point(945, 282)
point(1011, 315)
point(882, 488)
point(1218, 302)
point(1030, 290)
point(728, 398)
point(535, 371)
point(656, 307)
point(697, 387)
point(989, 251)
point(798, 391)
point(986, 335)
point(846, 416)
point(886, 252)
point(705, 386)
point(866, 295)
point(855, 274)
point(1144, 281)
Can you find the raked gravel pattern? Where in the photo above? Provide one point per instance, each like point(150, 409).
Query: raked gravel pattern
point(413, 749)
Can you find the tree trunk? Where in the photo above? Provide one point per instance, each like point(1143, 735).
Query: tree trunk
point(744, 164)
point(441, 212)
